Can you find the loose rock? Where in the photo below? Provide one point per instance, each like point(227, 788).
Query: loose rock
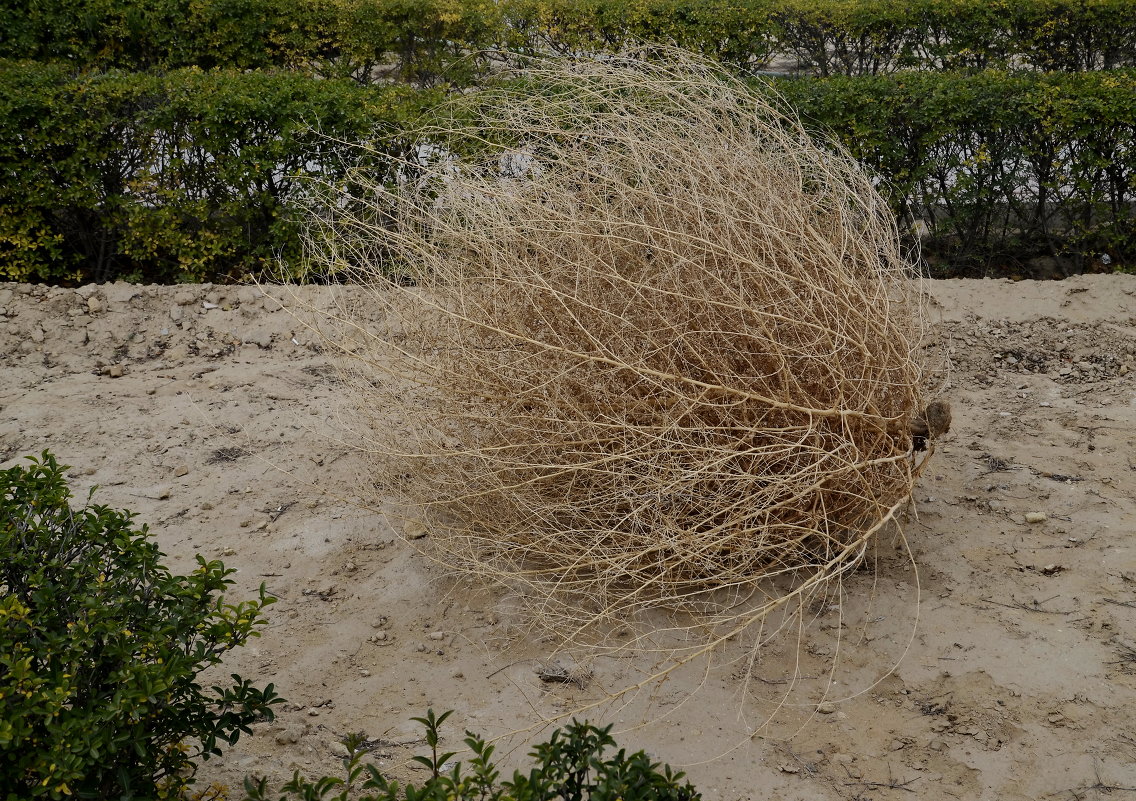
point(289, 734)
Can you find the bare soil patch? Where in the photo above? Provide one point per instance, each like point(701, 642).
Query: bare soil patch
point(217, 417)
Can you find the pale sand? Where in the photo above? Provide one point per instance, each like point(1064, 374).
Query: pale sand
point(1019, 683)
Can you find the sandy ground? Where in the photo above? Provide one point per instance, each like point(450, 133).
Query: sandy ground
point(217, 417)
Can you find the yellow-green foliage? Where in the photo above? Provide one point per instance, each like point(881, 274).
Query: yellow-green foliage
point(432, 41)
point(101, 648)
point(161, 139)
point(1000, 166)
point(183, 176)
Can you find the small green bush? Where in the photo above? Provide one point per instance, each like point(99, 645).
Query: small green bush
point(100, 651)
point(571, 766)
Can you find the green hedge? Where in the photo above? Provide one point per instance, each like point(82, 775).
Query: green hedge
point(186, 176)
point(870, 37)
point(1001, 167)
point(194, 175)
point(430, 41)
point(418, 41)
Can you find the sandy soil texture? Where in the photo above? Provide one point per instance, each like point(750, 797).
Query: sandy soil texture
point(218, 417)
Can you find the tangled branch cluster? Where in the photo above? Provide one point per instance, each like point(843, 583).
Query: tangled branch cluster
point(645, 344)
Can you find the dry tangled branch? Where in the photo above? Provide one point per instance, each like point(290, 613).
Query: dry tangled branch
point(646, 346)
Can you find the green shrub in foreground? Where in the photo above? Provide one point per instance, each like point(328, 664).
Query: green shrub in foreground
point(571, 766)
point(100, 650)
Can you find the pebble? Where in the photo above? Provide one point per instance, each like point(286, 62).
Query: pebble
point(414, 530)
point(262, 339)
point(938, 745)
point(437, 635)
point(1036, 517)
point(163, 493)
point(181, 470)
point(338, 749)
point(228, 552)
point(94, 305)
point(289, 734)
point(116, 371)
point(827, 708)
point(421, 648)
